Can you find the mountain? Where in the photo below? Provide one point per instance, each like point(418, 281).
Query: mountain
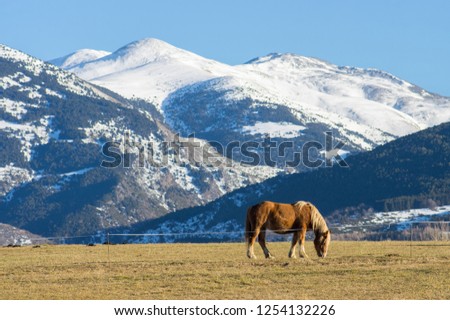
point(55, 132)
point(79, 57)
point(286, 95)
point(11, 236)
point(149, 69)
point(410, 172)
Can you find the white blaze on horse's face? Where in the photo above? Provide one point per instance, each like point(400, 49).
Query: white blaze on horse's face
point(321, 243)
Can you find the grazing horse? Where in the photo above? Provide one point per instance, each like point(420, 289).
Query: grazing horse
point(283, 218)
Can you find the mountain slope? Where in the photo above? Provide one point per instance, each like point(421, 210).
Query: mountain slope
point(410, 172)
point(11, 236)
point(352, 90)
point(53, 127)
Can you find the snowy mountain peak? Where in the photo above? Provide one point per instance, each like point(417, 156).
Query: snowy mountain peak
point(151, 49)
point(290, 60)
point(79, 57)
point(139, 53)
point(150, 69)
point(294, 62)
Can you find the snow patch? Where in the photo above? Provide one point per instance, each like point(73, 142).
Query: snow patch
point(402, 218)
point(28, 133)
point(7, 82)
point(53, 93)
point(274, 129)
point(10, 177)
point(14, 108)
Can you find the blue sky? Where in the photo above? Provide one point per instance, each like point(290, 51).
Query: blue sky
point(410, 39)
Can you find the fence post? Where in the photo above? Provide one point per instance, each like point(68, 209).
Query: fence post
point(107, 243)
point(410, 239)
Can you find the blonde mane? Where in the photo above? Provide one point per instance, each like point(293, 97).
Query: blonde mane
point(299, 204)
point(317, 221)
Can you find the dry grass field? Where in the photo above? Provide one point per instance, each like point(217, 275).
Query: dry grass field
point(352, 270)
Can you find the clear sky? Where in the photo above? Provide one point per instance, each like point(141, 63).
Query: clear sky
point(410, 39)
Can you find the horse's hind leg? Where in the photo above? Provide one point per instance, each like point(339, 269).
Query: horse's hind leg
point(295, 239)
point(251, 242)
point(262, 243)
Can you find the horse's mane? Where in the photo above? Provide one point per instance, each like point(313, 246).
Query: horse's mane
point(317, 221)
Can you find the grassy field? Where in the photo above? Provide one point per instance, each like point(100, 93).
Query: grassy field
point(352, 270)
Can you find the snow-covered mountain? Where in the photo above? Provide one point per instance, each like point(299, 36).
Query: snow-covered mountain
point(364, 107)
point(53, 126)
point(149, 69)
point(79, 57)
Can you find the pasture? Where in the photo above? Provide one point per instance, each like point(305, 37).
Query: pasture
point(352, 270)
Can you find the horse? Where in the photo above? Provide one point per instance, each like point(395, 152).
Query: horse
point(283, 218)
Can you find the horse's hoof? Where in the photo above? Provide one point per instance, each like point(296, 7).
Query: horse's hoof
point(270, 257)
point(292, 257)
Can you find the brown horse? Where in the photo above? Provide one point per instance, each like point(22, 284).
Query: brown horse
point(282, 218)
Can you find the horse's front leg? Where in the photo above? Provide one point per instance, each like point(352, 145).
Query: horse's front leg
point(295, 238)
point(302, 243)
point(262, 243)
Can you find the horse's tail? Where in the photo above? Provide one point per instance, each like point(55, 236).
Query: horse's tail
point(248, 223)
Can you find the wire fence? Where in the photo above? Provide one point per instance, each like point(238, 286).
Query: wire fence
point(415, 243)
point(424, 232)
point(419, 238)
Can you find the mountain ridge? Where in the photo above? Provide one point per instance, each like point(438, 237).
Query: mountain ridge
point(354, 102)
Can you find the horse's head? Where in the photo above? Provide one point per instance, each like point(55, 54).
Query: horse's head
point(322, 242)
